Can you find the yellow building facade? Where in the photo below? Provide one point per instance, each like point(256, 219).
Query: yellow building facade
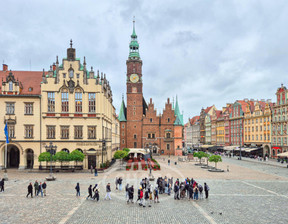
point(220, 130)
point(72, 108)
point(257, 125)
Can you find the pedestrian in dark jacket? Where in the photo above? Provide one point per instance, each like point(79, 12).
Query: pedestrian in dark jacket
point(36, 188)
point(30, 190)
point(190, 191)
point(77, 188)
point(131, 194)
point(97, 194)
point(108, 191)
point(89, 192)
point(44, 186)
point(176, 191)
point(206, 189)
point(2, 185)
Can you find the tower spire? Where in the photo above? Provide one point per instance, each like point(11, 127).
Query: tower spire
point(134, 45)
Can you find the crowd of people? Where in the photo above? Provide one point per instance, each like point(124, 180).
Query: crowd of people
point(147, 194)
point(38, 188)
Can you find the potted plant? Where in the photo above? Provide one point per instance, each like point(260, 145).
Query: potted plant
point(146, 167)
point(135, 167)
point(127, 168)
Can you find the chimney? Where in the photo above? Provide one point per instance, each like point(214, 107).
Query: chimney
point(5, 67)
point(54, 67)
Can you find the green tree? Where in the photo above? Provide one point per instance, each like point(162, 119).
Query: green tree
point(200, 155)
point(126, 150)
point(120, 154)
point(44, 157)
point(62, 156)
point(77, 156)
point(215, 159)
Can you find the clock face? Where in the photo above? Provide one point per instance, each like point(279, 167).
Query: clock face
point(134, 78)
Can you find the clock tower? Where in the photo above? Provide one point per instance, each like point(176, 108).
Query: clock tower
point(134, 94)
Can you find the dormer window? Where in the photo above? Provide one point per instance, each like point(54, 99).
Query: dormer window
point(30, 89)
point(10, 86)
point(71, 74)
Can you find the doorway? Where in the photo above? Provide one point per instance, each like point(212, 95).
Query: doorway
point(13, 157)
point(29, 159)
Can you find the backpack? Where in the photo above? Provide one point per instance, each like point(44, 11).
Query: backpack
point(208, 189)
point(200, 188)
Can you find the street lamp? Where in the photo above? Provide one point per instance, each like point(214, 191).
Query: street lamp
point(151, 178)
point(52, 150)
point(103, 149)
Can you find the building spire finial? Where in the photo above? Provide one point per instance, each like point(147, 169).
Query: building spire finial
point(71, 43)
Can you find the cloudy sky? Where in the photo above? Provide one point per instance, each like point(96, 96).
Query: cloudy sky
point(205, 51)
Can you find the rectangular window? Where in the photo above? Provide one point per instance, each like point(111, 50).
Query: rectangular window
point(135, 144)
point(11, 130)
point(168, 146)
point(28, 131)
point(64, 75)
point(78, 102)
point(92, 132)
point(65, 102)
point(50, 132)
point(149, 135)
point(153, 135)
point(28, 108)
point(92, 97)
point(135, 136)
point(10, 108)
point(78, 132)
point(64, 132)
point(51, 101)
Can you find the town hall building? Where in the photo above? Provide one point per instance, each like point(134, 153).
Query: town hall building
point(140, 126)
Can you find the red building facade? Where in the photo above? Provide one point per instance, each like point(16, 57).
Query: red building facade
point(141, 127)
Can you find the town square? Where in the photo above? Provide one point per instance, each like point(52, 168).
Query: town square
point(143, 111)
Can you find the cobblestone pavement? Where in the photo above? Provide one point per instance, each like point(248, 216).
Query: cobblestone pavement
point(261, 198)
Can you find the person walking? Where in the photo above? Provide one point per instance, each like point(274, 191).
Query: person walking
point(127, 192)
point(206, 189)
point(77, 188)
point(89, 192)
point(44, 186)
point(2, 185)
point(141, 196)
point(156, 195)
point(146, 197)
point(120, 183)
point(108, 192)
point(138, 199)
point(97, 194)
point(40, 190)
point(36, 187)
point(30, 190)
point(131, 194)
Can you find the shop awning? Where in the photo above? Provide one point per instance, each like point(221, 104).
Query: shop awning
point(284, 154)
point(250, 149)
point(206, 146)
point(229, 148)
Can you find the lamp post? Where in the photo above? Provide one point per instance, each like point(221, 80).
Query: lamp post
point(151, 178)
point(240, 141)
point(103, 149)
point(52, 150)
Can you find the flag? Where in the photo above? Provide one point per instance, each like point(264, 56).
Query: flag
point(6, 133)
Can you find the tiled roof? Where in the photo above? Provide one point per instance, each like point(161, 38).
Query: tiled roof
point(194, 119)
point(27, 79)
point(208, 109)
point(218, 113)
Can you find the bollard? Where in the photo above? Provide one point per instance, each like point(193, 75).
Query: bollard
point(227, 168)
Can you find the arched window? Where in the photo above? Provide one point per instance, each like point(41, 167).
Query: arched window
point(65, 101)
point(78, 102)
point(71, 73)
point(65, 150)
point(10, 86)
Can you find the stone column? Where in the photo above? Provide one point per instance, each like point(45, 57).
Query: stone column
point(22, 162)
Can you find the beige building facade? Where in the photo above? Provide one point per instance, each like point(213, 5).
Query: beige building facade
point(72, 107)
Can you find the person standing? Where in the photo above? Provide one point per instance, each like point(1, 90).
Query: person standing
point(36, 187)
point(2, 185)
point(108, 192)
point(77, 188)
point(116, 183)
point(196, 192)
point(40, 190)
point(131, 194)
point(190, 191)
point(176, 191)
point(44, 186)
point(89, 192)
point(206, 189)
point(95, 172)
point(200, 191)
point(30, 190)
point(141, 197)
